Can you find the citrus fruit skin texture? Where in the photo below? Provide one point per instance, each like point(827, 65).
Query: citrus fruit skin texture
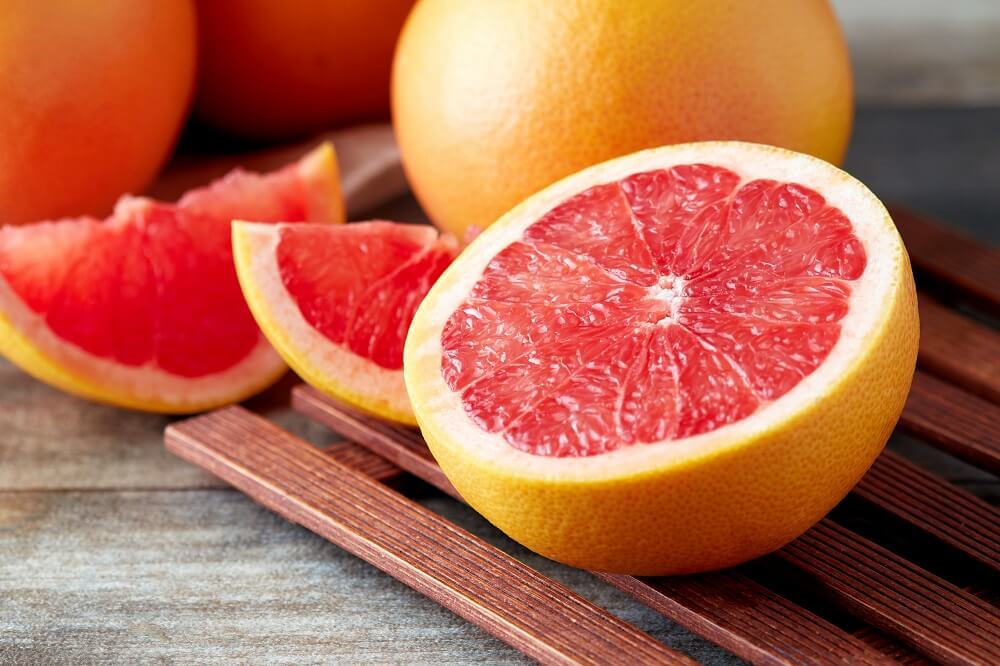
point(92, 97)
point(515, 95)
point(709, 501)
point(336, 302)
point(142, 310)
point(280, 69)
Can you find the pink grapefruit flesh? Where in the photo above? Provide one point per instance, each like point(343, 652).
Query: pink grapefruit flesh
point(359, 285)
point(337, 301)
point(660, 306)
point(144, 308)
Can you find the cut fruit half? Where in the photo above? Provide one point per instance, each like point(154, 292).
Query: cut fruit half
point(671, 362)
point(143, 309)
point(336, 302)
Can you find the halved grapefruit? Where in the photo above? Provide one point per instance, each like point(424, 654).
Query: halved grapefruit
point(336, 302)
point(671, 362)
point(143, 309)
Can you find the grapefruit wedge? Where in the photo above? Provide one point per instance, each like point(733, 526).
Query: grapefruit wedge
point(336, 302)
point(143, 309)
point(671, 362)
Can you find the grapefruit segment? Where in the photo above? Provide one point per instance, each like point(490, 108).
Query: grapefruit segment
point(671, 362)
point(336, 302)
point(143, 309)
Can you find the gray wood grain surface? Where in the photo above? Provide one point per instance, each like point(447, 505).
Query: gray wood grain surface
point(113, 551)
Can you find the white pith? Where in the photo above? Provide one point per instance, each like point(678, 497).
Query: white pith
point(669, 289)
point(147, 383)
point(440, 409)
point(329, 366)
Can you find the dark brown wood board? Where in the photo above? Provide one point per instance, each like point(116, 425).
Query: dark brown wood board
point(926, 501)
point(963, 424)
point(960, 350)
point(971, 268)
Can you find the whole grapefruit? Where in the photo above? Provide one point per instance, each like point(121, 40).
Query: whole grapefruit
point(277, 69)
point(92, 96)
point(493, 101)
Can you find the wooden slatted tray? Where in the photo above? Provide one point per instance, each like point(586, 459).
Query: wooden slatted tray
point(906, 569)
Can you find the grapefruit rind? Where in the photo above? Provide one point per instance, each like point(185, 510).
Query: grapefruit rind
point(715, 499)
point(29, 343)
point(24, 336)
point(328, 367)
point(322, 164)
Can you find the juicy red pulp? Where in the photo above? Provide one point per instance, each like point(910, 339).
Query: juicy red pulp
point(155, 282)
point(360, 284)
point(661, 306)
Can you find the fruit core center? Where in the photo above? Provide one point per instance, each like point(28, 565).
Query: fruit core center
point(658, 307)
point(668, 291)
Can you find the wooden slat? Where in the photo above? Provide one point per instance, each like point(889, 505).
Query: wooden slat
point(402, 446)
point(948, 417)
point(960, 350)
point(747, 619)
point(887, 645)
point(951, 257)
point(765, 629)
point(510, 600)
point(934, 616)
point(361, 459)
point(930, 503)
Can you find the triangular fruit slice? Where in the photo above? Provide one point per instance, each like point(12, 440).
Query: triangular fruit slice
point(336, 302)
point(671, 362)
point(143, 309)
